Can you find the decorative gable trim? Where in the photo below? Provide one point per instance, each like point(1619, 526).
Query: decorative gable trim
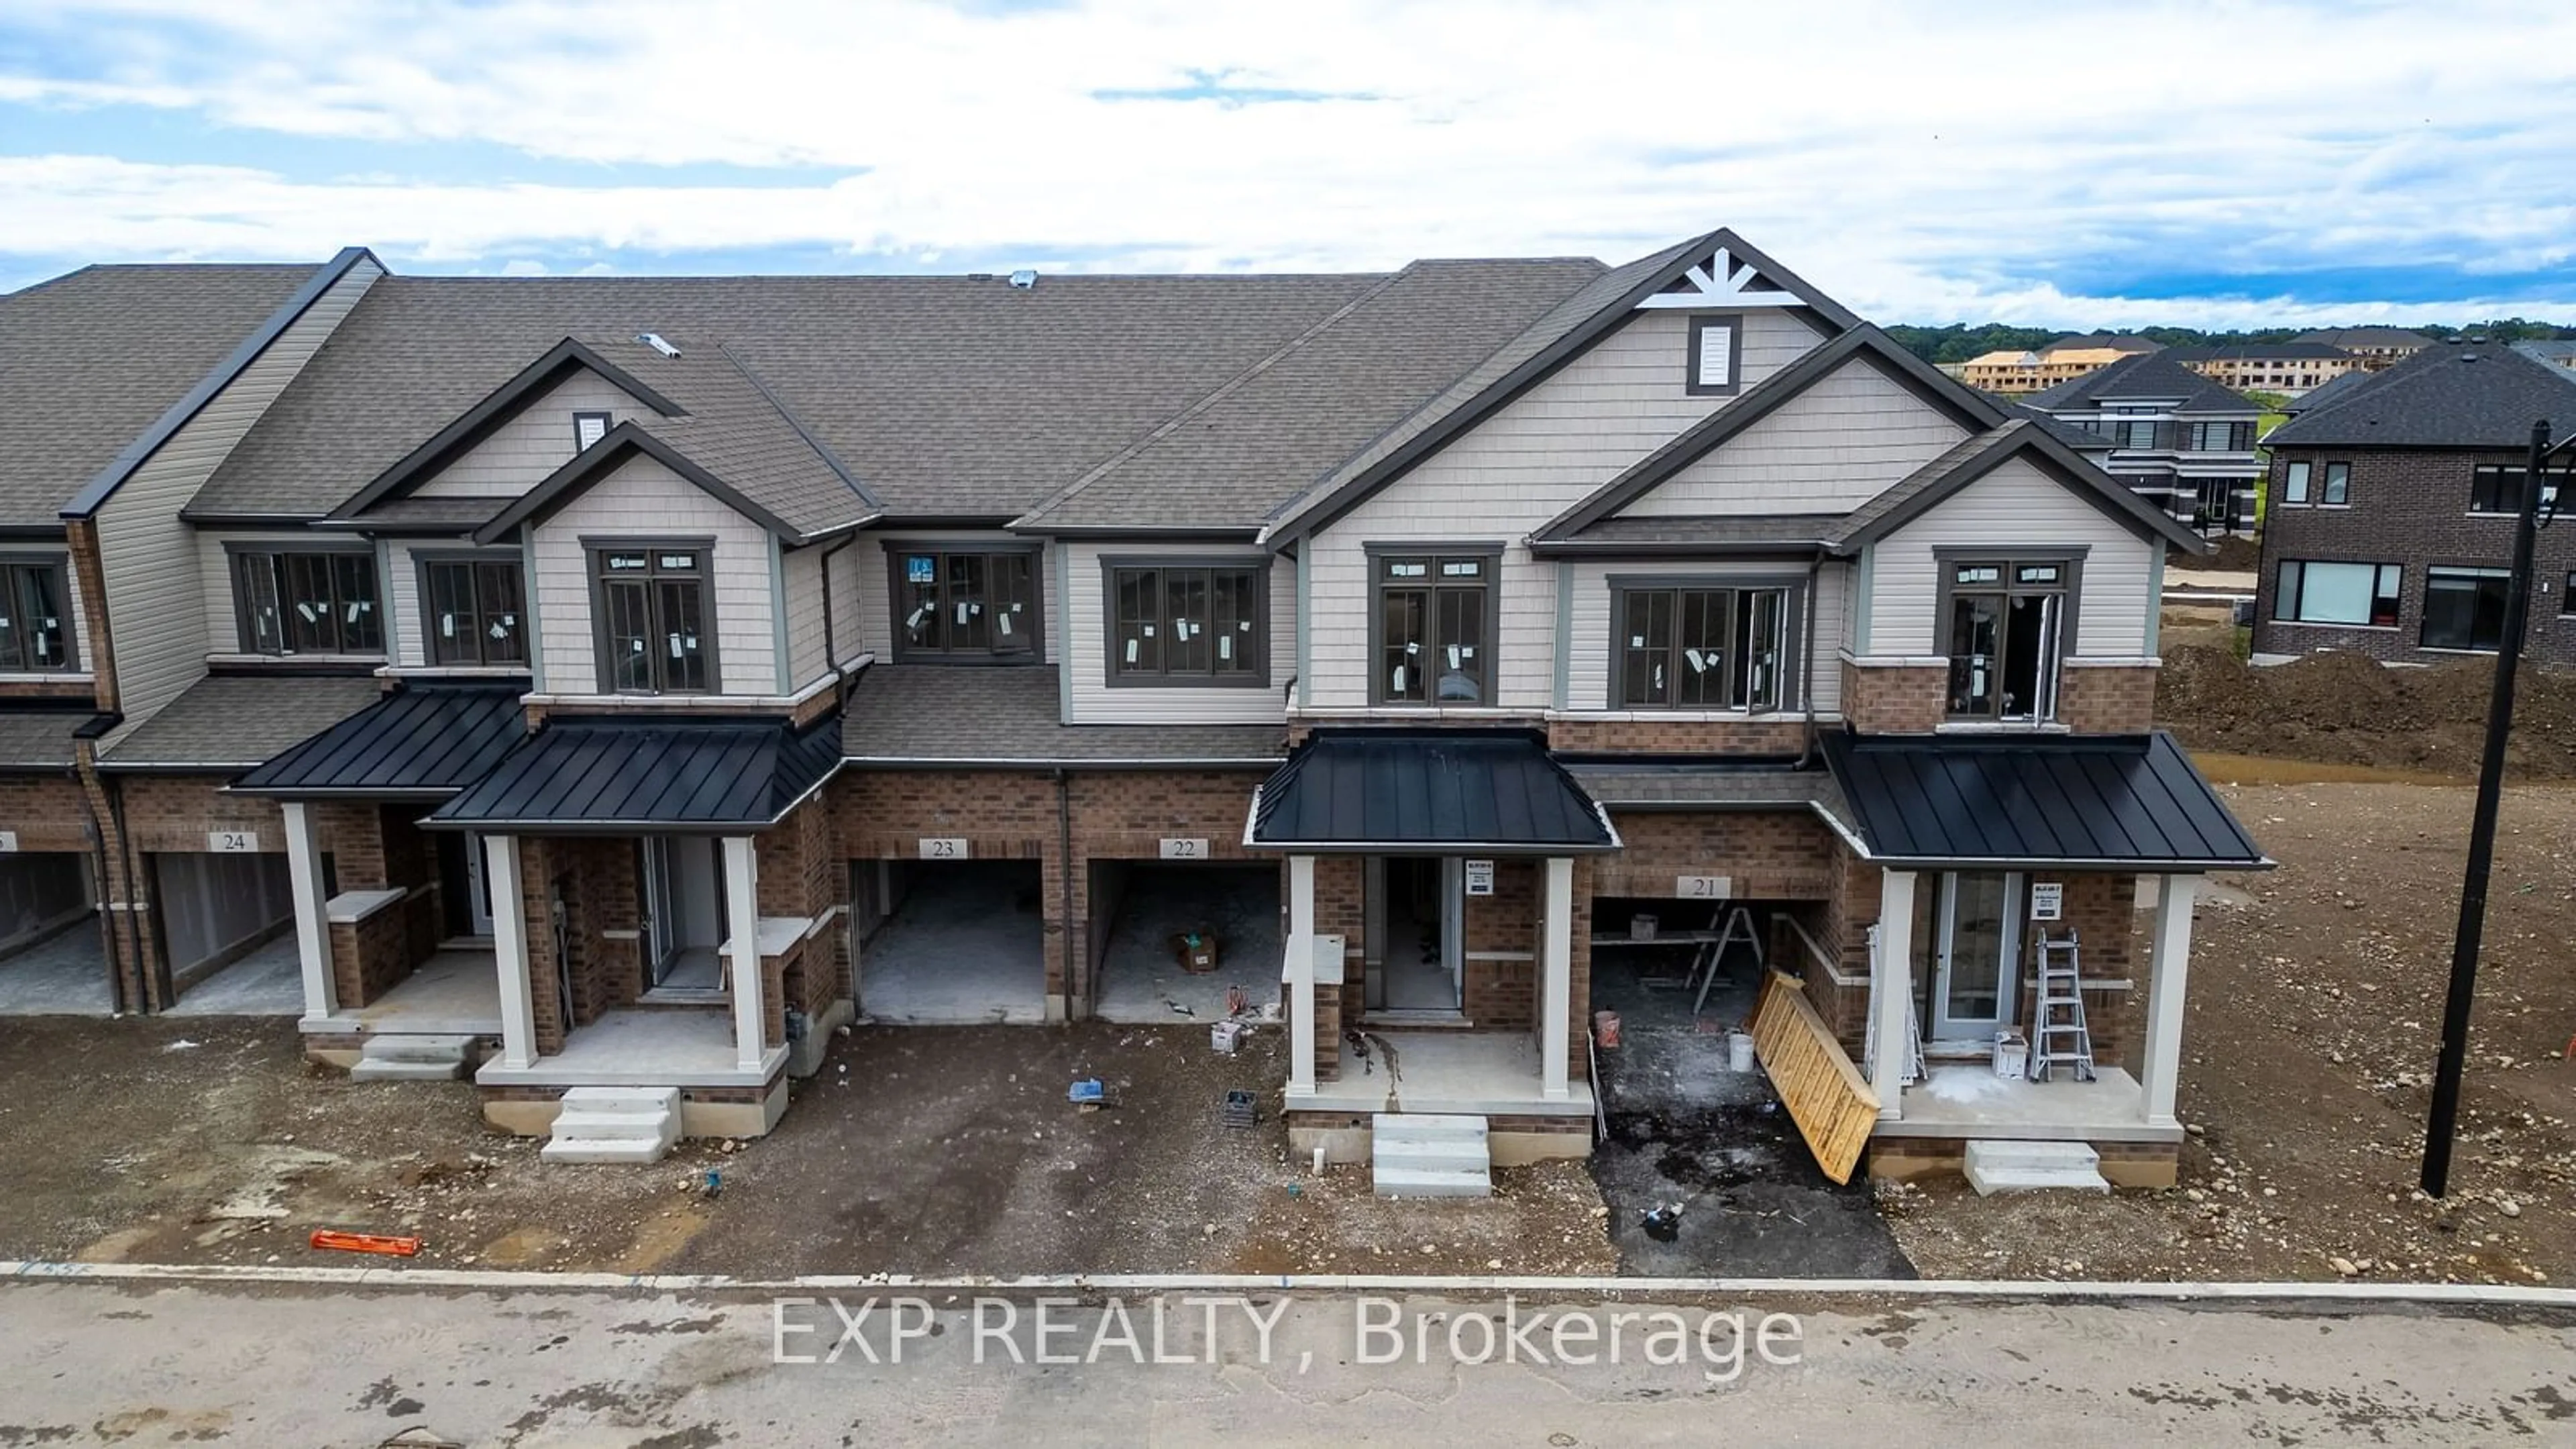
point(1719, 279)
point(1863, 344)
point(605, 457)
point(484, 418)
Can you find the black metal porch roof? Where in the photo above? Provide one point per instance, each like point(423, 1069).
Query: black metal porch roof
point(2112, 802)
point(618, 776)
point(427, 740)
point(1427, 790)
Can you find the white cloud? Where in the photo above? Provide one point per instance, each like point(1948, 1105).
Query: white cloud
point(1921, 162)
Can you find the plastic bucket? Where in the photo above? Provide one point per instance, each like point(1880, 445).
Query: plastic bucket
point(1739, 1051)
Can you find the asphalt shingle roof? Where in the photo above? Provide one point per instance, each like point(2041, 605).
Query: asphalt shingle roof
point(2148, 375)
point(933, 712)
point(39, 739)
point(2333, 390)
point(2471, 395)
point(90, 360)
point(228, 722)
point(1275, 429)
point(944, 396)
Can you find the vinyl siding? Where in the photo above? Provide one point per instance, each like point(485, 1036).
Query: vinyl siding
point(1828, 450)
point(1529, 462)
point(521, 452)
point(859, 598)
point(805, 642)
point(645, 500)
point(155, 593)
point(1587, 678)
point(1095, 702)
point(2016, 507)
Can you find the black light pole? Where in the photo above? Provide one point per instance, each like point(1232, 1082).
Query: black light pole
point(2444, 1121)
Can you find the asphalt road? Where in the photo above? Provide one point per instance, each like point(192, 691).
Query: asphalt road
point(85, 1363)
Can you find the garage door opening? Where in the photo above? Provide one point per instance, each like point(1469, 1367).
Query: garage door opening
point(227, 930)
point(52, 958)
point(1139, 912)
point(1651, 957)
point(950, 943)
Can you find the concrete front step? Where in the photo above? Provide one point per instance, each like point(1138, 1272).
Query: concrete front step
point(1427, 1126)
point(1998, 1166)
point(1428, 1182)
point(1426, 1155)
point(412, 1058)
point(614, 1124)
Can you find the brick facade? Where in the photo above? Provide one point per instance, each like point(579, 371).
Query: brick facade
point(2410, 506)
point(1774, 735)
point(1895, 699)
point(2107, 698)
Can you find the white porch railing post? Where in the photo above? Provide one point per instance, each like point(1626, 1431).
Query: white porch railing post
point(1891, 987)
point(312, 912)
point(1556, 984)
point(742, 912)
point(2169, 967)
point(1300, 975)
point(510, 951)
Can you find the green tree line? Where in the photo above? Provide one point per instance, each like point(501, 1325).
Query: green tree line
point(1959, 341)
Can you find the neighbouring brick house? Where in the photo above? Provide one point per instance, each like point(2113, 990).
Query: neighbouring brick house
point(2390, 524)
point(618, 683)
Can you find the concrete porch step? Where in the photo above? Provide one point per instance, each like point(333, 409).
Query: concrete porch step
point(1416, 1154)
point(614, 1124)
point(404, 1057)
point(1994, 1167)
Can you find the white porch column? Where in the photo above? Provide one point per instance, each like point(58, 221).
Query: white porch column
point(1300, 974)
point(1891, 987)
point(510, 951)
point(2169, 967)
point(312, 912)
point(742, 911)
point(1556, 980)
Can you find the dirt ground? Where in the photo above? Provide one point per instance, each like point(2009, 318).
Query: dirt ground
point(937, 1150)
point(2344, 709)
point(2315, 1004)
point(2315, 1012)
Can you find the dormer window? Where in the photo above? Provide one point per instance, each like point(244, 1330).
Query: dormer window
point(1716, 356)
point(306, 601)
point(587, 430)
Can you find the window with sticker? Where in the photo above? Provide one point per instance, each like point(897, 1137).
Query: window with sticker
point(1434, 625)
point(965, 605)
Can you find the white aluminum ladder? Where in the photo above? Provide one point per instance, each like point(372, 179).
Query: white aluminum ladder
point(2058, 1034)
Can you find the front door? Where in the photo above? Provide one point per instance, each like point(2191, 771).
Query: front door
point(1415, 919)
point(1976, 940)
point(684, 912)
point(478, 889)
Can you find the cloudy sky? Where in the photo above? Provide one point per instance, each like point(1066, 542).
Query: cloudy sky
point(2061, 163)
